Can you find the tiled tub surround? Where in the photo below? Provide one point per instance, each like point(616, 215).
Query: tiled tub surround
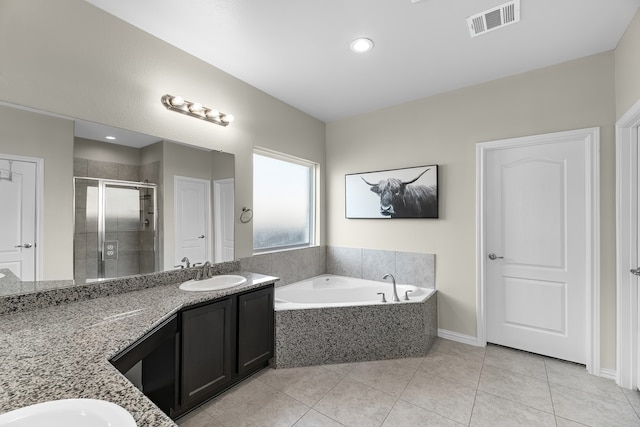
point(62, 351)
point(327, 335)
point(315, 336)
point(292, 266)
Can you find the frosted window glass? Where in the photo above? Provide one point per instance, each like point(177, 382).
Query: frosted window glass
point(283, 195)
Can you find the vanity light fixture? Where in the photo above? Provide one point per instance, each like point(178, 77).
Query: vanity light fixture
point(195, 109)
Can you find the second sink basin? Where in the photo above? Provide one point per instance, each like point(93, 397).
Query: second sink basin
point(69, 413)
point(214, 283)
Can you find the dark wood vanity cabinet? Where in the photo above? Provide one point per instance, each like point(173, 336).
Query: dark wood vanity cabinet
point(255, 330)
point(207, 350)
point(202, 351)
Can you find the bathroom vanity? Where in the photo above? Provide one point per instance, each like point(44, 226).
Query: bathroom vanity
point(202, 350)
point(59, 345)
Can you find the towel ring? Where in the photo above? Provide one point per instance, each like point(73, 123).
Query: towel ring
point(246, 215)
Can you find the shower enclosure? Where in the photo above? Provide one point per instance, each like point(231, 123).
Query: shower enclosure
point(115, 228)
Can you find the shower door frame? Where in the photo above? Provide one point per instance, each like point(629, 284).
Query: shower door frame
point(102, 183)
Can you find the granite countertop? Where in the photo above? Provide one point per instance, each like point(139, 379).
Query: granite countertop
point(62, 352)
point(10, 284)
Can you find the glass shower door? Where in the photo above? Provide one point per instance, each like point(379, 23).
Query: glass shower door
point(115, 229)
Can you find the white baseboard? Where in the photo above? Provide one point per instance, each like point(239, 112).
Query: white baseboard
point(610, 374)
point(455, 336)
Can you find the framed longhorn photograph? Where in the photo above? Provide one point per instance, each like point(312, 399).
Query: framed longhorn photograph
point(396, 193)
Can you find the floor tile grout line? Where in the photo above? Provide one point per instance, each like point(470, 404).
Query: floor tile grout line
point(510, 400)
point(598, 395)
point(517, 403)
point(475, 395)
point(631, 404)
point(400, 394)
point(313, 407)
point(553, 406)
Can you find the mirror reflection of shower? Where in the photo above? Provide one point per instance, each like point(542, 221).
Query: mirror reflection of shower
point(116, 225)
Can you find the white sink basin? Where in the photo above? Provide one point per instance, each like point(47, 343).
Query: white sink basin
point(69, 413)
point(214, 283)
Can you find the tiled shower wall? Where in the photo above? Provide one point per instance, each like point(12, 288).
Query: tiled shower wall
point(291, 266)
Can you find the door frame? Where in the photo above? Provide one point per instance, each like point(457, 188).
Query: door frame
point(209, 242)
point(218, 217)
point(627, 216)
point(591, 137)
point(39, 232)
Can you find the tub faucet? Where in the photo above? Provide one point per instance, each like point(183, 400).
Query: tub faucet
point(204, 272)
point(395, 292)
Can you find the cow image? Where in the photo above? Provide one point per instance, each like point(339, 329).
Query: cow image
point(400, 199)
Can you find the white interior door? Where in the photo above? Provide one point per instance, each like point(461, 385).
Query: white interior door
point(635, 272)
point(223, 219)
point(192, 219)
point(18, 218)
point(627, 235)
point(537, 242)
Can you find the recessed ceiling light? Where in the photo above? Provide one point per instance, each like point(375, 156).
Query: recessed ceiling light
point(362, 45)
point(111, 138)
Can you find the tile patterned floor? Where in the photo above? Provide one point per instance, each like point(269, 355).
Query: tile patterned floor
point(455, 385)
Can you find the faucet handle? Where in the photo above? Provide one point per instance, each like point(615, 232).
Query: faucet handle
point(406, 295)
point(383, 296)
point(178, 266)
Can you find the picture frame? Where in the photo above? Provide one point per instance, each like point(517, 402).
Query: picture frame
point(394, 193)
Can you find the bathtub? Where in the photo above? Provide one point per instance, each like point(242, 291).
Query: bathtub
point(335, 319)
point(329, 290)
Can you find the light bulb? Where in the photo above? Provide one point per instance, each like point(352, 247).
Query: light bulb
point(227, 118)
point(362, 45)
point(212, 114)
point(177, 101)
point(195, 107)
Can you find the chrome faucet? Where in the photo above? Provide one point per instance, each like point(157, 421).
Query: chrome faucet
point(186, 260)
point(204, 272)
point(395, 292)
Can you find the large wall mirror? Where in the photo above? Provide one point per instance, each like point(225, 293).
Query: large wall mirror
point(105, 202)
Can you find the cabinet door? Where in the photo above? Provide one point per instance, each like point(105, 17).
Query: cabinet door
point(255, 329)
point(206, 350)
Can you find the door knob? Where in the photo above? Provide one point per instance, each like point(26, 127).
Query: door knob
point(201, 236)
point(493, 256)
point(25, 245)
point(636, 271)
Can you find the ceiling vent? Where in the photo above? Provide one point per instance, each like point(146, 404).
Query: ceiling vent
point(492, 19)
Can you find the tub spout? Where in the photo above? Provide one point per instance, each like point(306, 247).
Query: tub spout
point(395, 292)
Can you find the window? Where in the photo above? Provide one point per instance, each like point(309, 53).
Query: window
point(283, 202)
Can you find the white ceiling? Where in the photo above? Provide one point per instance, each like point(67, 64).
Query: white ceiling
point(298, 50)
